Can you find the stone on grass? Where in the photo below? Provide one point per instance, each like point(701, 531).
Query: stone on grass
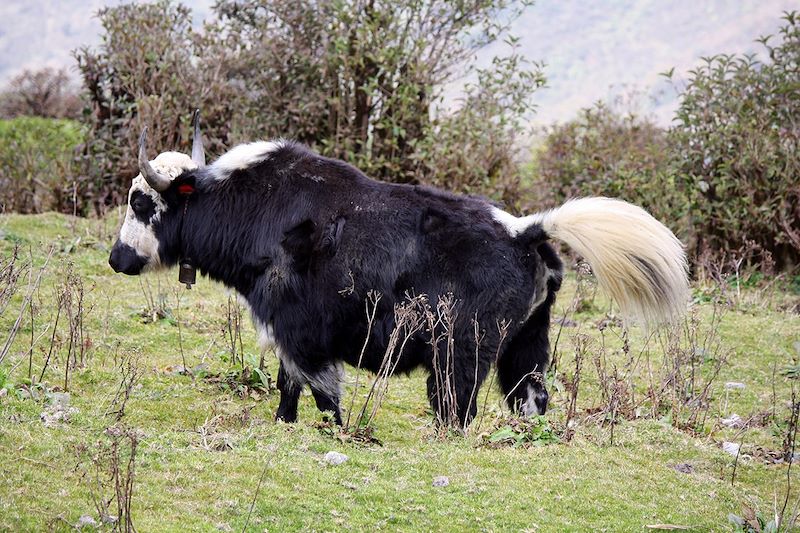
point(731, 448)
point(86, 521)
point(335, 458)
point(58, 409)
point(734, 385)
point(684, 468)
point(733, 421)
point(441, 481)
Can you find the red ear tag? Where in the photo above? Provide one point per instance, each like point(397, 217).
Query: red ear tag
point(185, 189)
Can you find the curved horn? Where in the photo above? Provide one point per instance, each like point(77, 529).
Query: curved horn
point(198, 153)
point(157, 181)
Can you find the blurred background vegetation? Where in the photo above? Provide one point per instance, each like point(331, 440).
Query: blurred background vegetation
point(364, 83)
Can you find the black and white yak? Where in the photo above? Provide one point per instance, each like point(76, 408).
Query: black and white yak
point(304, 239)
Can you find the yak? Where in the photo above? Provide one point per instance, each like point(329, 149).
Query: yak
point(304, 239)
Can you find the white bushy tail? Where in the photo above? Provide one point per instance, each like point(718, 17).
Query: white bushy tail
point(637, 260)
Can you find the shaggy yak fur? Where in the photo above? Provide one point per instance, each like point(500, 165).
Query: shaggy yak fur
point(304, 239)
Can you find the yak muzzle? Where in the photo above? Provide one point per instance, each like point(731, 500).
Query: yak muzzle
point(124, 259)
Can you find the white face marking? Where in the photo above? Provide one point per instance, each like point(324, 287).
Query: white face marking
point(140, 235)
point(243, 156)
point(529, 407)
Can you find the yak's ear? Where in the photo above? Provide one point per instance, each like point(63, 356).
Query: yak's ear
point(298, 242)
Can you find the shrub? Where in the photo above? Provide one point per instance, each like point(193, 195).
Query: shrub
point(472, 149)
point(355, 81)
point(737, 142)
point(40, 93)
point(725, 177)
point(147, 71)
point(35, 161)
point(605, 153)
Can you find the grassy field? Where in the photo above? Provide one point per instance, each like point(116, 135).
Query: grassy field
point(642, 449)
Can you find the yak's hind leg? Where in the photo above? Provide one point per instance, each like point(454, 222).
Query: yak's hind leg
point(521, 366)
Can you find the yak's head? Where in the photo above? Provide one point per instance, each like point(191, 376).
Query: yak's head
point(146, 237)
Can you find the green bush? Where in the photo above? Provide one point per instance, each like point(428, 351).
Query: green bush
point(604, 153)
point(36, 157)
point(361, 82)
point(725, 177)
point(737, 149)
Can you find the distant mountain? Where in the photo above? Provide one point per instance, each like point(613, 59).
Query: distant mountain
point(606, 50)
point(39, 33)
point(592, 50)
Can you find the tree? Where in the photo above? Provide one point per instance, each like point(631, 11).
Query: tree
point(356, 79)
point(40, 93)
point(737, 138)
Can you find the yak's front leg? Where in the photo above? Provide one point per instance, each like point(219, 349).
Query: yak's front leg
point(326, 388)
point(290, 387)
point(453, 386)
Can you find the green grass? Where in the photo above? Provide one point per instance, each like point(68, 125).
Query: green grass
point(203, 449)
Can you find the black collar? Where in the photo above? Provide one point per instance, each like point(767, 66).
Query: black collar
point(187, 274)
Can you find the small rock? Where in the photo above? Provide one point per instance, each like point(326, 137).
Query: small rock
point(86, 521)
point(58, 400)
point(733, 421)
point(731, 448)
point(441, 481)
point(684, 468)
point(3, 392)
point(177, 370)
point(224, 527)
point(348, 485)
point(58, 411)
point(734, 385)
point(335, 458)
point(108, 519)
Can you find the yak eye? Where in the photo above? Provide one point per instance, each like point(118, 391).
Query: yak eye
point(143, 206)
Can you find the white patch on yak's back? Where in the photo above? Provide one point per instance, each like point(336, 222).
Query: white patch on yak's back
point(243, 156)
point(514, 225)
